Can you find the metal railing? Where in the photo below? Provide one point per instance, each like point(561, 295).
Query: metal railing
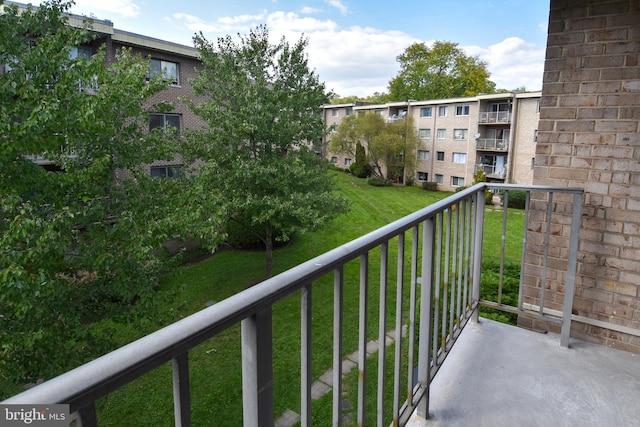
point(494, 117)
point(437, 255)
point(492, 171)
point(492, 144)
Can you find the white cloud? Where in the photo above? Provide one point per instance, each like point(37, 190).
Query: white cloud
point(306, 10)
point(126, 8)
point(513, 63)
point(338, 5)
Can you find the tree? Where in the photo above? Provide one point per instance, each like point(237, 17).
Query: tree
point(388, 146)
point(262, 107)
point(442, 71)
point(80, 243)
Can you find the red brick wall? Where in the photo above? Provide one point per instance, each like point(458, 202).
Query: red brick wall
point(589, 136)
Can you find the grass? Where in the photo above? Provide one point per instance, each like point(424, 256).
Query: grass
point(215, 365)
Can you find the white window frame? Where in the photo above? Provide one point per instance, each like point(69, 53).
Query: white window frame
point(459, 158)
point(424, 133)
point(439, 156)
point(334, 112)
point(423, 154)
point(442, 134)
point(457, 181)
point(423, 176)
point(461, 134)
point(439, 179)
point(347, 161)
point(462, 110)
point(165, 171)
point(164, 117)
point(426, 111)
point(160, 66)
point(442, 111)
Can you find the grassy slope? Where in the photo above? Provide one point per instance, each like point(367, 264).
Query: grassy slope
point(216, 365)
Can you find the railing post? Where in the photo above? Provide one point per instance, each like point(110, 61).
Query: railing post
point(257, 370)
point(426, 324)
point(181, 392)
point(572, 261)
point(477, 250)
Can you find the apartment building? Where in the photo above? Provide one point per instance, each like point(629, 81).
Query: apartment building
point(495, 133)
point(177, 63)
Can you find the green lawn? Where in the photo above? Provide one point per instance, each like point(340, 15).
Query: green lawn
point(216, 365)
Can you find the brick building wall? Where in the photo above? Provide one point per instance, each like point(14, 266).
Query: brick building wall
point(589, 136)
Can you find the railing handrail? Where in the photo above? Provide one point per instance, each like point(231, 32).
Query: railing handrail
point(89, 382)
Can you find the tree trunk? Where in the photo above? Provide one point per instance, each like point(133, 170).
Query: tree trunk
point(268, 243)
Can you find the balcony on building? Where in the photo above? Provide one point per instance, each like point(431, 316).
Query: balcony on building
point(495, 112)
point(431, 355)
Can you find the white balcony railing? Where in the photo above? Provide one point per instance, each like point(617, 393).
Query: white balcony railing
point(437, 282)
point(492, 144)
point(494, 117)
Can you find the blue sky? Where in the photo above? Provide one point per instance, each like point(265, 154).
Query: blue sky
point(353, 44)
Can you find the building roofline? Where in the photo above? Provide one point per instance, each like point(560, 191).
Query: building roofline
point(104, 26)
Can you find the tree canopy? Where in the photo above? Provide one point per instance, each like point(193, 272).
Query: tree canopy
point(262, 107)
point(389, 147)
point(437, 72)
point(79, 242)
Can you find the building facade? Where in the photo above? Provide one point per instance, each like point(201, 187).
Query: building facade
point(494, 133)
point(589, 137)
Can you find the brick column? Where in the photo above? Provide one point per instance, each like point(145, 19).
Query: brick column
point(589, 136)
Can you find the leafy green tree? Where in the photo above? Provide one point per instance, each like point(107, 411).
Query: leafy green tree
point(80, 243)
point(261, 105)
point(389, 147)
point(437, 72)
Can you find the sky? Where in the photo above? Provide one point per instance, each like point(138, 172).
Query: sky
point(353, 44)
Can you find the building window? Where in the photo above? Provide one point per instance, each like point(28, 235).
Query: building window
point(535, 135)
point(440, 156)
point(168, 70)
point(462, 110)
point(457, 181)
point(333, 128)
point(162, 121)
point(424, 133)
point(165, 171)
point(442, 111)
point(538, 107)
point(334, 160)
point(380, 112)
point(533, 163)
point(423, 176)
point(347, 162)
point(460, 134)
point(426, 112)
point(439, 179)
point(334, 112)
point(423, 155)
point(80, 52)
point(442, 133)
point(460, 158)
point(349, 111)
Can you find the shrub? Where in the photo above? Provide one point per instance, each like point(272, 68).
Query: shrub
point(377, 182)
point(430, 186)
point(409, 182)
point(361, 170)
point(517, 199)
point(464, 187)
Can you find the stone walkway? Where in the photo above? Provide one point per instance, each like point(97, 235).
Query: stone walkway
point(324, 384)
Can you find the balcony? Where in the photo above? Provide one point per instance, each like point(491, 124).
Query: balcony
point(493, 117)
point(493, 171)
point(431, 261)
point(492, 144)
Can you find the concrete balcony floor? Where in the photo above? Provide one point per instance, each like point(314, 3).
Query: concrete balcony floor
point(500, 375)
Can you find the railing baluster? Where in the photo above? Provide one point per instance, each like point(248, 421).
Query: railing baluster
point(446, 279)
point(257, 369)
point(426, 304)
point(382, 328)
point(527, 206)
point(547, 237)
point(437, 288)
point(477, 250)
point(503, 241)
point(398, 348)
point(306, 306)
point(181, 392)
point(362, 337)
point(87, 416)
point(412, 312)
point(338, 309)
point(572, 260)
